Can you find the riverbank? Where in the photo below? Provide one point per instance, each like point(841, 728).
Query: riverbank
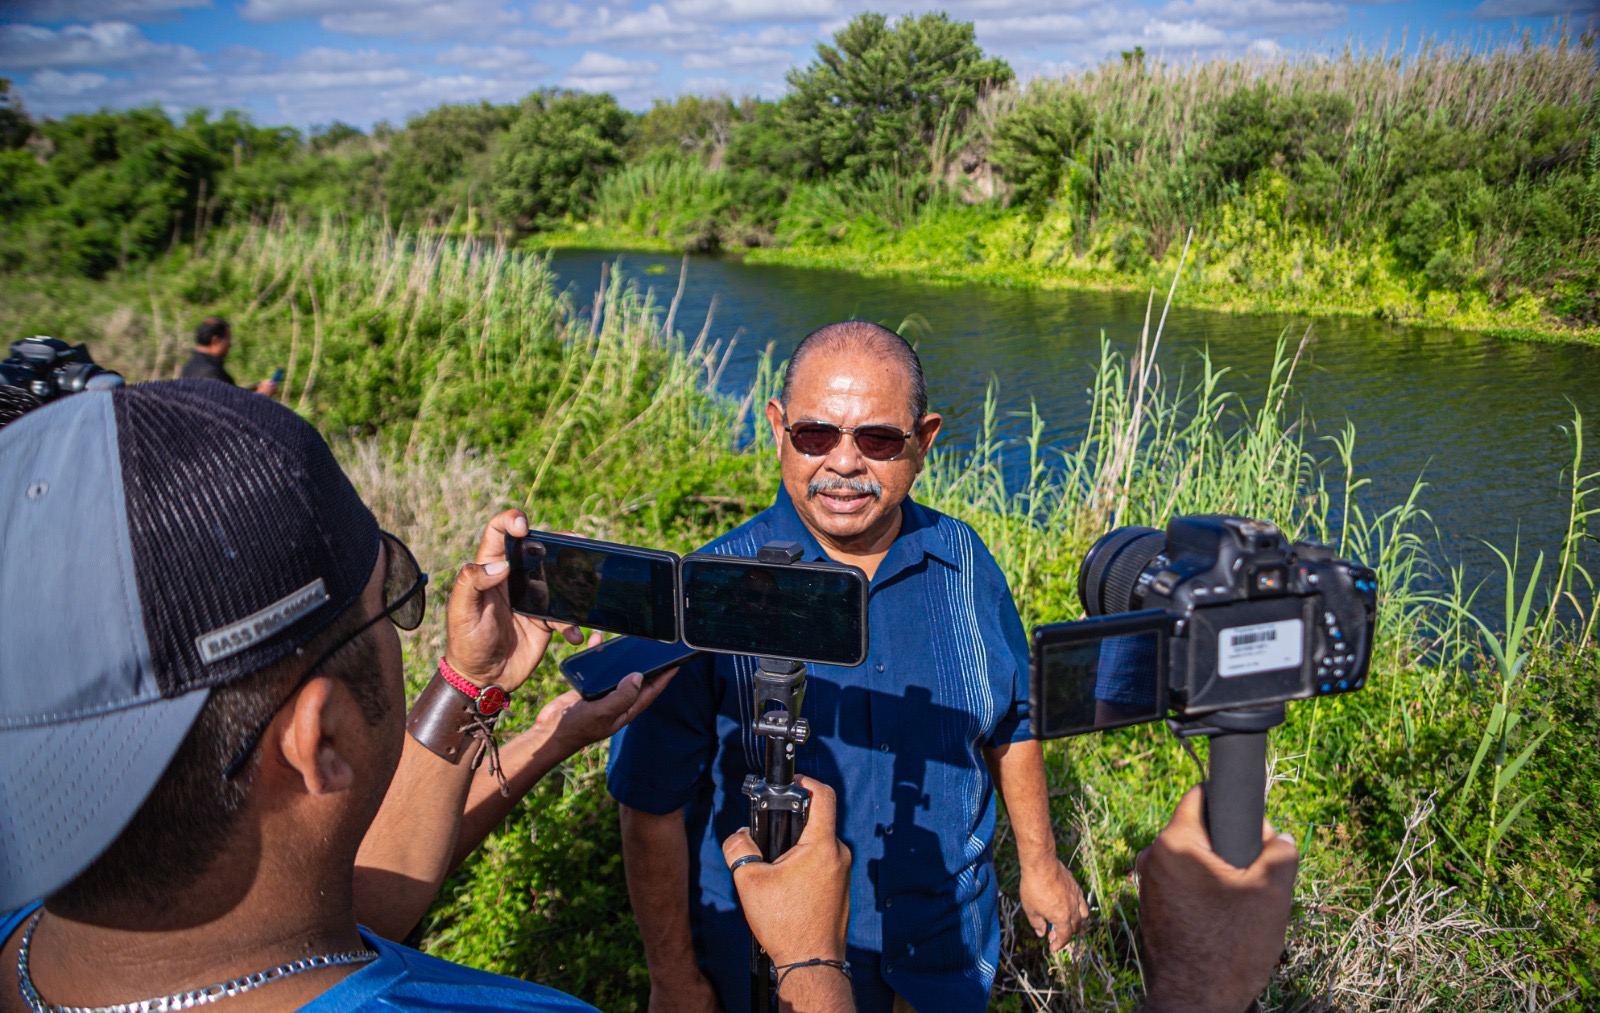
point(1252, 266)
point(1446, 846)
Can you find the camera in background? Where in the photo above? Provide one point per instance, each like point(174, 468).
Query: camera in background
point(41, 369)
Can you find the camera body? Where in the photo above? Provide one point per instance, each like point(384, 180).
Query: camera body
point(48, 368)
point(1216, 613)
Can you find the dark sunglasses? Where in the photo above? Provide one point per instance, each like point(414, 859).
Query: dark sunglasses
point(876, 443)
point(403, 584)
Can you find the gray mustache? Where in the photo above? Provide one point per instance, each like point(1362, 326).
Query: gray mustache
point(836, 484)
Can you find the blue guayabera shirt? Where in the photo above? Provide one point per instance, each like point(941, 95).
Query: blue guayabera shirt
point(900, 737)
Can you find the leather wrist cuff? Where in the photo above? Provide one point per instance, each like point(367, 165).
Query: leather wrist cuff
point(443, 720)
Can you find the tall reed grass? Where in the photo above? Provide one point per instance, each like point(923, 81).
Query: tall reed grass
point(1448, 814)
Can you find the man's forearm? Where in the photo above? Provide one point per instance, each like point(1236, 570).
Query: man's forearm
point(655, 854)
point(421, 833)
point(407, 851)
point(525, 760)
point(1018, 771)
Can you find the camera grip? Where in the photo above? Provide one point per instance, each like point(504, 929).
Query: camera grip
point(1236, 796)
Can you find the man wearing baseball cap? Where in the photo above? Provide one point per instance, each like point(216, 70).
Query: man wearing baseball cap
point(203, 772)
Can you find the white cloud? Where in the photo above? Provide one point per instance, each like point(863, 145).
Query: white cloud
point(101, 45)
point(425, 19)
point(1493, 9)
point(1260, 15)
point(1189, 34)
point(100, 10)
point(745, 11)
point(653, 26)
point(52, 84)
point(629, 80)
point(490, 58)
point(737, 56)
point(1265, 47)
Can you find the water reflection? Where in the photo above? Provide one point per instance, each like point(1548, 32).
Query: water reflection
point(1478, 418)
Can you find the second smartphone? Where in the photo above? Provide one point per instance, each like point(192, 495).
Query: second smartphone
point(596, 585)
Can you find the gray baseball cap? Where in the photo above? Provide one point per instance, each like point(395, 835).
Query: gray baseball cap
point(156, 541)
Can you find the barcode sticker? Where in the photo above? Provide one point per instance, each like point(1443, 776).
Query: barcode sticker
point(1264, 647)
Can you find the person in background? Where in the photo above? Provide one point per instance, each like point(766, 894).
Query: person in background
point(212, 340)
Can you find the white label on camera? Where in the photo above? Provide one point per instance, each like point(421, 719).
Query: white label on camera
point(1264, 647)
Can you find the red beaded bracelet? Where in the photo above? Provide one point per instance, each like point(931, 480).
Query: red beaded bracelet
point(491, 700)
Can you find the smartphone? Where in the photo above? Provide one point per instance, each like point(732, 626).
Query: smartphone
point(597, 671)
point(597, 585)
point(813, 612)
point(277, 375)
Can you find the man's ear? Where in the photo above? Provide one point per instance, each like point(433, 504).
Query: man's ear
point(775, 419)
point(928, 431)
point(314, 739)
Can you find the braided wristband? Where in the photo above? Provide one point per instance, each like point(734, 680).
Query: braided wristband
point(448, 722)
point(784, 970)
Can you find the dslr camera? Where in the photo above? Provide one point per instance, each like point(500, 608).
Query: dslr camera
point(41, 369)
point(1215, 616)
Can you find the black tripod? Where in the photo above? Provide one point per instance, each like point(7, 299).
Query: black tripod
point(778, 806)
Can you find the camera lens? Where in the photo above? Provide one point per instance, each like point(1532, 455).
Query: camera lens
point(1112, 567)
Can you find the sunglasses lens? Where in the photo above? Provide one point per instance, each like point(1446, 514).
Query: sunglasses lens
point(880, 443)
point(402, 580)
point(814, 439)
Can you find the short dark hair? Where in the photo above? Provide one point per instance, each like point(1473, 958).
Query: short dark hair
point(865, 336)
point(210, 329)
point(184, 824)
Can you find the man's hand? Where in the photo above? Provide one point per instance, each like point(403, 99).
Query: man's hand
point(798, 906)
point(1212, 933)
point(267, 387)
point(486, 642)
point(1053, 903)
point(569, 722)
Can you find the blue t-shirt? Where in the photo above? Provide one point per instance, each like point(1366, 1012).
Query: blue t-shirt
point(403, 979)
point(901, 739)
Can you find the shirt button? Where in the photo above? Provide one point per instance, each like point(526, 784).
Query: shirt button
point(889, 829)
point(880, 666)
point(889, 902)
point(884, 748)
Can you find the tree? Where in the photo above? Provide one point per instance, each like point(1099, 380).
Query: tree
point(15, 126)
point(1035, 142)
point(886, 97)
point(557, 152)
point(439, 154)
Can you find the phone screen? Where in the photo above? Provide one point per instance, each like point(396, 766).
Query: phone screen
point(1099, 673)
point(597, 585)
point(803, 611)
point(596, 671)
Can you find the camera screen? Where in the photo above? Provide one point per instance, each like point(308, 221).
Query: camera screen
point(594, 584)
point(804, 612)
point(1098, 674)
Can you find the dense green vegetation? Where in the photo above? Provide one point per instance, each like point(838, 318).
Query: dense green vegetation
point(1449, 185)
point(1449, 814)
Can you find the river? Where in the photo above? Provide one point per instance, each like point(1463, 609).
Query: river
point(1479, 419)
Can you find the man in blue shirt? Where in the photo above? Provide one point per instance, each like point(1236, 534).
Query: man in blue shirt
point(206, 768)
point(915, 739)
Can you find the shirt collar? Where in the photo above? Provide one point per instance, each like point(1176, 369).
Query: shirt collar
point(919, 536)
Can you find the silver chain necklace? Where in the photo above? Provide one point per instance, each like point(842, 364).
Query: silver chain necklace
point(182, 1000)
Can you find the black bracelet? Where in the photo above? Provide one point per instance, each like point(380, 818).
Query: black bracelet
point(842, 966)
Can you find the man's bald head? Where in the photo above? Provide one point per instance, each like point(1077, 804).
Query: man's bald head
point(861, 336)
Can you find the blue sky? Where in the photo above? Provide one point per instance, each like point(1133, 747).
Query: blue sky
point(306, 62)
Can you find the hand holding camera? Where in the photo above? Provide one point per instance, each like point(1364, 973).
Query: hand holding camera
point(1212, 932)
